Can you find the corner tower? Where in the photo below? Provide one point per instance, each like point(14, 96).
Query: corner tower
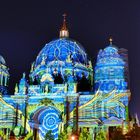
point(111, 69)
point(4, 76)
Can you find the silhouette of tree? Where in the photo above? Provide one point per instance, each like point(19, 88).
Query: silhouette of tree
point(85, 135)
point(63, 136)
point(135, 132)
point(49, 135)
point(101, 135)
point(117, 134)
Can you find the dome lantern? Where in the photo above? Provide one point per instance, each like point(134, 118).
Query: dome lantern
point(64, 33)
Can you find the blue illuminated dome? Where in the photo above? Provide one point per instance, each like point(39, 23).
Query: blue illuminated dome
point(60, 61)
point(60, 49)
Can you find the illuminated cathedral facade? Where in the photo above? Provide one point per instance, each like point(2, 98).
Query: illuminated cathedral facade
point(65, 93)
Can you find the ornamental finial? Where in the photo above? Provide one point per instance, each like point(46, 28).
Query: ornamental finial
point(110, 40)
point(64, 26)
point(64, 31)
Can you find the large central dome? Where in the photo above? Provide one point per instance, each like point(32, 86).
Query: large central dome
point(61, 61)
point(60, 49)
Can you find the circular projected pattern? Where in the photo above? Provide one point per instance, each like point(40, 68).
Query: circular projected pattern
point(49, 120)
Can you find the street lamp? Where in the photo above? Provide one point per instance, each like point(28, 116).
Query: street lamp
point(74, 137)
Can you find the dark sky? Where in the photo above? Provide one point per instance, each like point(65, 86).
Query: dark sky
point(26, 27)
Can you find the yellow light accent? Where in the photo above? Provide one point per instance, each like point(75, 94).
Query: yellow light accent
point(23, 118)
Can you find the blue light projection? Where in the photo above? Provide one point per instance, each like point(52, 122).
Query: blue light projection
point(63, 59)
point(60, 49)
point(109, 70)
point(48, 119)
point(63, 75)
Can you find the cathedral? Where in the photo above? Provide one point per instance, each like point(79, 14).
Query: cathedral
point(65, 92)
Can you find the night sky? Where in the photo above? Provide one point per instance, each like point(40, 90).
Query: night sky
point(26, 27)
